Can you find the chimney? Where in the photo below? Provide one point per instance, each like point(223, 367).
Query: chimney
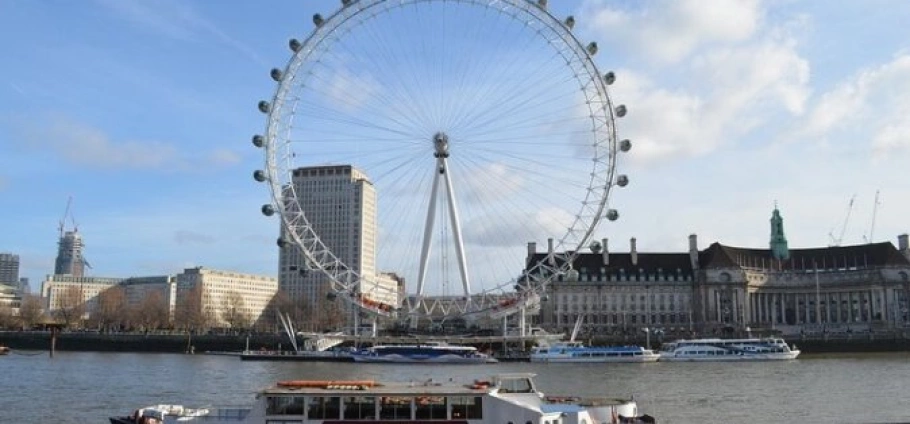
point(532, 249)
point(550, 251)
point(606, 252)
point(693, 250)
point(903, 244)
point(632, 252)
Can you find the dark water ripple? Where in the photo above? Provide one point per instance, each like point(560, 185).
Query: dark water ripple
point(89, 387)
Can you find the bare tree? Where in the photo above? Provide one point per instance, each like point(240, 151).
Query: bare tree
point(30, 312)
point(193, 312)
point(152, 312)
point(71, 306)
point(328, 314)
point(110, 309)
point(234, 311)
point(7, 319)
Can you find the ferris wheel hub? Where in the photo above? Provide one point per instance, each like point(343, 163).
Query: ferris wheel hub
point(441, 145)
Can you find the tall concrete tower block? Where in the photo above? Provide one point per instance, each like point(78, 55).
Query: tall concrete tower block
point(70, 260)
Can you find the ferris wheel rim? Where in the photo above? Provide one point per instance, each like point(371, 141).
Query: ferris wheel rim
point(343, 278)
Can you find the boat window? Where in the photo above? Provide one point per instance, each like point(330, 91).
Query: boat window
point(518, 385)
point(359, 408)
point(430, 408)
point(284, 405)
point(395, 408)
point(465, 407)
point(324, 408)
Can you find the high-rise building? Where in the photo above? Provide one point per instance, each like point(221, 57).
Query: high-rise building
point(339, 202)
point(24, 286)
point(9, 269)
point(69, 255)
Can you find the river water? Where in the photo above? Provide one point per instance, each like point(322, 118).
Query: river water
point(83, 387)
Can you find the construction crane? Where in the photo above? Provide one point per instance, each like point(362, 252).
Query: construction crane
point(66, 213)
point(836, 241)
point(874, 211)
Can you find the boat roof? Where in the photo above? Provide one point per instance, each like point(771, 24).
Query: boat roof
point(373, 388)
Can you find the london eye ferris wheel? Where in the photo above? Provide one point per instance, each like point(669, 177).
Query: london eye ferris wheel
point(475, 126)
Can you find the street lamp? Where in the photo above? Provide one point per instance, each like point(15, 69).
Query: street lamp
point(647, 337)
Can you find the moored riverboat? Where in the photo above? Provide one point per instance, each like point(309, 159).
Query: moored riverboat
point(752, 349)
point(573, 352)
point(433, 353)
point(504, 398)
point(4, 350)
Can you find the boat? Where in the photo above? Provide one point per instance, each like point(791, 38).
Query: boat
point(577, 352)
point(750, 349)
point(428, 352)
point(573, 351)
point(302, 355)
point(4, 350)
point(501, 399)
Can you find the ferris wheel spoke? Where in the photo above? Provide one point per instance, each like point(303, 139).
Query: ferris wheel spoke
point(531, 155)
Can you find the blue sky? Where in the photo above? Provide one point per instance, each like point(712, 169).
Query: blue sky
point(142, 112)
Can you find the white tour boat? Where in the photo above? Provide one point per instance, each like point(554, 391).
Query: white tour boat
point(430, 352)
point(573, 351)
point(578, 352)
point(507, 398)
point(752, 349)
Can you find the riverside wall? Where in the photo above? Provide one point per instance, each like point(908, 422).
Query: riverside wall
point(182, 343)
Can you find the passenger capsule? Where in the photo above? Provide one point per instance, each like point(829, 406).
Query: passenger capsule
point(331, 296)
point(282, 243)
point(258, 141)
point(259, 175)
point(609, 78)
point(264, 106)
point(625, 145)
point(318, 20)
point(276, 74)
point(621, 111)
point(294, 45)
point(269, 210)
point(612, 214)
point(570, 22)
point(592, 48)
point(622, 180)
point(345, 3)
point(542, 4)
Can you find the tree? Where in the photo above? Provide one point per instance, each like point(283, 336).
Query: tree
point(70, 305)
point(152, 312)
point(7, 319)
point(234, 311)
point(328, 313)
point(111, 309)
point(30, 312)
point(193, 312)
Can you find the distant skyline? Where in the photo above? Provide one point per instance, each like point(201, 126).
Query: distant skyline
point(142, 112)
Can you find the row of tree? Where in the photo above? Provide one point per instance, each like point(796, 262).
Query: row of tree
point(110, 311)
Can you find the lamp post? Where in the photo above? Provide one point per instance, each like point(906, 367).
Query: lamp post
point(647, 337)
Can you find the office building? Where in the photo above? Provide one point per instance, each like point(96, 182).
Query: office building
point(9, 269)
point(220, 290)
point(340, 204)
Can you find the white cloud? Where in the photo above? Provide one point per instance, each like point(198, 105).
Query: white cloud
point(81, 144)
point(669, 31)
point(717, 96)
point(176, 20)
point(871, 105)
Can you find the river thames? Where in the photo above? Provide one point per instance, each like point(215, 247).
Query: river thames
point(84, 387)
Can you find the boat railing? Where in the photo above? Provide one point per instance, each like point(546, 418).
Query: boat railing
point(238, 414)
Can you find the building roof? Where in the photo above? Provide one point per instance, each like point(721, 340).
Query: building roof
point(649, 263)
point(835, 257)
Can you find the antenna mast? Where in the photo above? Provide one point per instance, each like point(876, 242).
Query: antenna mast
point(62, 226)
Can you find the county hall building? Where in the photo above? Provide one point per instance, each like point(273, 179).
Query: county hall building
point(725, 288)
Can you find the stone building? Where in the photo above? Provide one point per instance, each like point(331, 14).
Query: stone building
point(726, 288)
